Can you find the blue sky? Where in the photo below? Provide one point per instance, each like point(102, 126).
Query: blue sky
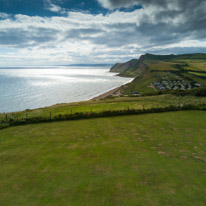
point(51, 32)
point(38, 7)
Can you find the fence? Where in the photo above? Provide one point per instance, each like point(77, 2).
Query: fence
point(12, 121)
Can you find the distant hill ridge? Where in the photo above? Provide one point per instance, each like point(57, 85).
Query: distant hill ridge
point(135, 66)
point(131, 65)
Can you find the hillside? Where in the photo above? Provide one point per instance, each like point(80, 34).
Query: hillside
point(60, 111)
point(151, 159)
point(126, 69)
point(154, 73)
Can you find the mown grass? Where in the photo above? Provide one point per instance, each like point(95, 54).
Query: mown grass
point(150, 159)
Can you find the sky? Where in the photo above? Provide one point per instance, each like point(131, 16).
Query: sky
point(62, 32)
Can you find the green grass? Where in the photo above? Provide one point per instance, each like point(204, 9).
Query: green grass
point(141, 84)
point(193, 64)
point(130, 73)
point(166, 67)
point(162, 66)
point(107, 105)
point(196, 78)
point(198, 74)
point(197, 66)
point(152, 159)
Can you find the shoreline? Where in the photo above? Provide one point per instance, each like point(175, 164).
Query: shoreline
point(99, 97)
point(94, 98)
point(110, 92)
point(106, 94)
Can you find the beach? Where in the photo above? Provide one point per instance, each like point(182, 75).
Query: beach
point(106, 94)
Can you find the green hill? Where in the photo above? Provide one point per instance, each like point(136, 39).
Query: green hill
point(126, 69)
point(154, 73)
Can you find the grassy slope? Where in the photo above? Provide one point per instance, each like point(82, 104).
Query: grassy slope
point(198, 74)
point(141, 84)
point(162, 66)
point(158, 66)
point(109, 104)
point(153, 159)
point(127, 69)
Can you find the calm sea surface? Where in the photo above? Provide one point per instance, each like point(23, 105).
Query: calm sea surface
point(34, 87)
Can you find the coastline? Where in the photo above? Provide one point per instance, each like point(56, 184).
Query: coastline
point(106, 94)
point(101, 94)
point(99, 97)
point(110, 92)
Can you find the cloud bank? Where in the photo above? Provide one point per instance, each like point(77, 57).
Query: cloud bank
point(167, 26)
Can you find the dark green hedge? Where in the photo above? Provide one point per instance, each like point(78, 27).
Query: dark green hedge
point(89, 115)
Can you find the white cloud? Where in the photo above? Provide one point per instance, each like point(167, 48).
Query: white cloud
point(86, 38)
point(110, 5)
point(53, 7)
point(3, 15)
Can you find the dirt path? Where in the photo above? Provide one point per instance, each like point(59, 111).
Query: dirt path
point(152, 86)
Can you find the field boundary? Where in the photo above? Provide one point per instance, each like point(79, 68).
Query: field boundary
point(91, 115)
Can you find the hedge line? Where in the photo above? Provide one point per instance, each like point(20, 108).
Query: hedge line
point(89, 115)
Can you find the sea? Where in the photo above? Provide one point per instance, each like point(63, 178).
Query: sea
point(24, 88)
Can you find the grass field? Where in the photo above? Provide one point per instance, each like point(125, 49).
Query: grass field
point(194, 64)
point(123, 103)
point(150, 159)
point(162, 66)
point(198, 74)
point(141, 84)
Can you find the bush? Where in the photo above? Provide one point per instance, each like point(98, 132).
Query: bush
point(108, 113)
point(201, 92)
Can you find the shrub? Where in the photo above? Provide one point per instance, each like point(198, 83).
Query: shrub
point(201, 92)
